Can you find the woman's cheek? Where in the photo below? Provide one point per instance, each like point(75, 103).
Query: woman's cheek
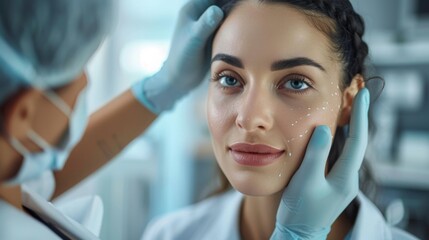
point(219, 113)
point(300, 122)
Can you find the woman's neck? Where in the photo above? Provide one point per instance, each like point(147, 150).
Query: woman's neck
point(258, 218)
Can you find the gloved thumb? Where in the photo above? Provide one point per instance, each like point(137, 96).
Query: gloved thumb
point(313, 165)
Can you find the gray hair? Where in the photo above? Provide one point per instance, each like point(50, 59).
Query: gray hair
point(47, 43)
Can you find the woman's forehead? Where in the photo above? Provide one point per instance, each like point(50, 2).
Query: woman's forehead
point(270, 32)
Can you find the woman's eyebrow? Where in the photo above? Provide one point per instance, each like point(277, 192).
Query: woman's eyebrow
point(234, 61)
point(295, 62)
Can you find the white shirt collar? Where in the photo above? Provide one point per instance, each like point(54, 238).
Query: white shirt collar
point(370, 223)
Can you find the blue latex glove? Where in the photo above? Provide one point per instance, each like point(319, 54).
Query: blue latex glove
point(312, 201)
point(188, 60)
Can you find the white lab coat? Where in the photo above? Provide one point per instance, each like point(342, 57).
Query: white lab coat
point(218, 218)
point(15, 224)
point(77, 219)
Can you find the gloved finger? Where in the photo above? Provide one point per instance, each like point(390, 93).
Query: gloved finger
point(194, 8)
point(354, 149)
point(208, 22)
point(316, 154)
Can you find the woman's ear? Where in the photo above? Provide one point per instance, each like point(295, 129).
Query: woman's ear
point(348, 97)
point(18, 112)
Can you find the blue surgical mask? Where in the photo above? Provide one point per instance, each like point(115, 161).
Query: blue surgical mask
point(51, 157)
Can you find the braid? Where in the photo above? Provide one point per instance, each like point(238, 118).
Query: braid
point(348, 36)
point(354, 28)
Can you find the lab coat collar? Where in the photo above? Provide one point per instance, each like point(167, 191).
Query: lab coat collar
point(66, 225)
point(15, 224)
point(370, 223)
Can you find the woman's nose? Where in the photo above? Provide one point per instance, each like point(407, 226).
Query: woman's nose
point(255, 112)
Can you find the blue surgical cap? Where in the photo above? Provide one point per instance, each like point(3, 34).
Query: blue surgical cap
point(46, 43)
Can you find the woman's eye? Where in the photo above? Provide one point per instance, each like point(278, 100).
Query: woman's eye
point(296, 85)
point(229, 81)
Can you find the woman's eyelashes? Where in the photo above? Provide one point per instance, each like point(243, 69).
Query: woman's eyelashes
point(294, 83)
point(227, 81)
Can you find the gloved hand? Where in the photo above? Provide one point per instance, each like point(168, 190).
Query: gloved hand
point(188, 60)
point(312, 201)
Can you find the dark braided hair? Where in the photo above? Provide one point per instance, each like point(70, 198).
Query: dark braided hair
point(346, 38)
point(339, 22)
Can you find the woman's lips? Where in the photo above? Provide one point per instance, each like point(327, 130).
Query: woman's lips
point(254, 154)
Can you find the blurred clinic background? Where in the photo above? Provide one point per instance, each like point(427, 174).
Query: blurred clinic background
point(172, 165)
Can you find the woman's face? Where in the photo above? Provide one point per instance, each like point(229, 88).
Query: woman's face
point(274, 79)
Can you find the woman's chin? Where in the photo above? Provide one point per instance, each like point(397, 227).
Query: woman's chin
point(254, 192)
point(257, 188)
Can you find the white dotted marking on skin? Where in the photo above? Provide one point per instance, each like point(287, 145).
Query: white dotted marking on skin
point(324, 107)
point(332, 83)
point(336, 94)
point(290, 154)
point(332, 94)
point(284, 164)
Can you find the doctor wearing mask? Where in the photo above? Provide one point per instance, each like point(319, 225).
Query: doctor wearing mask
point(44, 47)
